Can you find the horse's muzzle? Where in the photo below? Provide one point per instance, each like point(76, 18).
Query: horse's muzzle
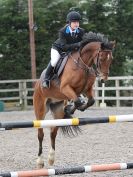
point(102, 81)
point(103, 78)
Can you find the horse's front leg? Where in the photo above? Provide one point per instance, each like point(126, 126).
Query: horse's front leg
point(89, 103)
point(71, 107)
point(85, 103)
point(71, 94)
point(90, 100)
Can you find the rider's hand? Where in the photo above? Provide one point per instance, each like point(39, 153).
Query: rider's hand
point(77, 45)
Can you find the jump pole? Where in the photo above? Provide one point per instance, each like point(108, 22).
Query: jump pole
point(65, 122)
point(69, 170)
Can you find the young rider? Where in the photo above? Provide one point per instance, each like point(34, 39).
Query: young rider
point(69, 39)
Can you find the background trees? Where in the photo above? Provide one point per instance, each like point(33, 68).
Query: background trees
point(113, 18)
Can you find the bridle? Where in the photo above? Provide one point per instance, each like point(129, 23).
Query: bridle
point(97, 65)
point(81, 64)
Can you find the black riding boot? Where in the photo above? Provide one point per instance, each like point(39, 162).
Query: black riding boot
point(48, 76)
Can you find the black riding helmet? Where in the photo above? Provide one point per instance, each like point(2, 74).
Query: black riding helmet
point(73, 16)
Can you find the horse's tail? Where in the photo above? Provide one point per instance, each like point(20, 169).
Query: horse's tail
point(70, 131)
point(57, 107)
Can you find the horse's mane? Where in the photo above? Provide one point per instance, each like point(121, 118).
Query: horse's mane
point(96, 37)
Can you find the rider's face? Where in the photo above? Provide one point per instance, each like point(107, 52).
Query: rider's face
point(74, 25)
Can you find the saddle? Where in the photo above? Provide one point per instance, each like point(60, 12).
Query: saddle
point(58, 69)
point(61, 63)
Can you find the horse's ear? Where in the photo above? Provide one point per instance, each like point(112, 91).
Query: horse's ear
point(113, 43)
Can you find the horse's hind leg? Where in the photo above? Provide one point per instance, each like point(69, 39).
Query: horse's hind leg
point(40, 109)
point(51, 156)
point(58, 113)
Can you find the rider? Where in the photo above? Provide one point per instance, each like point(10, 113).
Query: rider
point(69, 39)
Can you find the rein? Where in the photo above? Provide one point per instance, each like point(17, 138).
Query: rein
point(81, 64)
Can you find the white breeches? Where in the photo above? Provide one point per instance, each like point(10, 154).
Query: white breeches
point(55, 56)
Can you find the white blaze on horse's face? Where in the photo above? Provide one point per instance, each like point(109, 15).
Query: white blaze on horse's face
point(108, 57)
point(104, 63)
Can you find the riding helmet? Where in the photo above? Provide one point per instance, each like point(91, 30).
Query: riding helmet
point(73, 16)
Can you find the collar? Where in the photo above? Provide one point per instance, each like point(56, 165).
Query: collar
point(69, 30)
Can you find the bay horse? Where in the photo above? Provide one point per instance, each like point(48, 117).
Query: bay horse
point(77, 77)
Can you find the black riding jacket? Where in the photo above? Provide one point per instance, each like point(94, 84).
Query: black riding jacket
point(68, 42)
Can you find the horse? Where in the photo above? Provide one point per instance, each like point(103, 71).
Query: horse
point(77, 77)
point(100, 70)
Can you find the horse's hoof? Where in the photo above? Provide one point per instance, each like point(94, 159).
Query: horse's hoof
point(39, 166)
point(90, 102)
point(50, 162)
point(40, 162)
point(69, 110)
point(82, 108)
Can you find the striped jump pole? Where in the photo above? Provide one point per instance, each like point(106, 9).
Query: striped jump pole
point(69, 170)
point(65, 122)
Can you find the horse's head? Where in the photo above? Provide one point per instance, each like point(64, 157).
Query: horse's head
point(97, 49)
point(103, 60)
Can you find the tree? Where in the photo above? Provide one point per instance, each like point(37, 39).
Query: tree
point(123, 33)
point(14, 40)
